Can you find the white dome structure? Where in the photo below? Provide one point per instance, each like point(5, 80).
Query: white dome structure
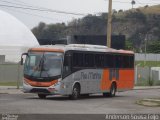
point(15, 37)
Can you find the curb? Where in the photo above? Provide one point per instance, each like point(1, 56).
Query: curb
point(14, 90)
point(10, 90)
point(146, 87)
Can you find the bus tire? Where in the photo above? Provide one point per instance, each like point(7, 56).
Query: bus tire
point(75, 92)
point(106, 94)
point(85, 95)
point(42, 96)
point(113, 90)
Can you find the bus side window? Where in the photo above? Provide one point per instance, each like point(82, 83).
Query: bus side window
point(126, 61)
point(119, 61)
point(89, 60)
point(131, 61)
point(99, 60)
point(109, 61)
point(67, 65)
point(78, 60)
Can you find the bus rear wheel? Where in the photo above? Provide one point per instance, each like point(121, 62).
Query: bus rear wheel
point(112, 91)
point(75, 92)
point(42, 96)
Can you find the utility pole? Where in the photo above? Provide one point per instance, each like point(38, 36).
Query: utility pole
point(109, 24)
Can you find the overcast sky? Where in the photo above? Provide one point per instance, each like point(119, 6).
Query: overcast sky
point(31, 18)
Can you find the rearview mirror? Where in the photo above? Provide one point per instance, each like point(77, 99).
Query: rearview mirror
point(22, 57)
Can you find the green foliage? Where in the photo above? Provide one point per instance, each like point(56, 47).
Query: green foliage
point(142, 82)
point(120, 11)
point(128, 45)
point(150, 81)
point(8, 83)
point(133, 2)
point(49, 31)
point(90, 25)
point(137, 15)
point(153, 47)
point(137, 23)
point(148, 63)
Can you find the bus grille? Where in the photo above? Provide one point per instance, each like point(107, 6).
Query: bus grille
point(39, 90)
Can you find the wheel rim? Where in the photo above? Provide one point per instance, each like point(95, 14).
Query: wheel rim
point(113, 90)
point(75, 92)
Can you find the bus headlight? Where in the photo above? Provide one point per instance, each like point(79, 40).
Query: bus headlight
point(51, 89)
point(63, 86)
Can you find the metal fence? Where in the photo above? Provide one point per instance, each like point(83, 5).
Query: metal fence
point(147, 57)
point(145, 76)
point(11, 73)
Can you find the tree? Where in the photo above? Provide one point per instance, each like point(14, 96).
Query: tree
point(153, 47)
point(120, 11)
point(128, 45)
point(48, 33)
point(38, 31)
point(133, 3)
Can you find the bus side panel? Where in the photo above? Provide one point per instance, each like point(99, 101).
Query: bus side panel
point(105, 82)
point(126, 79)
point(70, 80)
point(67, 82)
point(89, 80)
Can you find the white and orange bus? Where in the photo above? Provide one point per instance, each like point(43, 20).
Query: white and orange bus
point(76, 70)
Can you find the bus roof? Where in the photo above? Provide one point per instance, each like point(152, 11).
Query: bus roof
point(78, 47)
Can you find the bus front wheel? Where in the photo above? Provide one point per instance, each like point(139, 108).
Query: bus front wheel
point(42, 96)
point(75, 92)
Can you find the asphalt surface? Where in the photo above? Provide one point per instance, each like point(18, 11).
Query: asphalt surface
point(123, 103)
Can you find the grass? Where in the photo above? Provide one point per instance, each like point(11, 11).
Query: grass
point(149, 102)
point(8, 83)
point(148, 63)
point(142, 83)
point(149, 81)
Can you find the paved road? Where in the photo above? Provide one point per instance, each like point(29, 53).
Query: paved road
point(124, 102)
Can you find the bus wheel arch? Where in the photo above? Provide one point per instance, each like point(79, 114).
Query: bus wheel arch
point(76, 89)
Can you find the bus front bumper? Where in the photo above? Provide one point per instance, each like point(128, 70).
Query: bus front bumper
point(40, 90)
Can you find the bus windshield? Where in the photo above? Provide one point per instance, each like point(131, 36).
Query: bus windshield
point(43, 64)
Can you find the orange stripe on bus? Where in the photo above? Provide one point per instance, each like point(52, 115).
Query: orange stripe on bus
point(40, 84)
point(47, 50)
point(125, 81)
point(105, 83)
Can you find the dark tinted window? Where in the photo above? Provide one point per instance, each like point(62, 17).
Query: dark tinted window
point(99, 60)
point(89, 60)
point(109, 61)
point(119, 61)
point(131, 61)
point(67, 64)
point(78, 60)
point(102, 60)
point(128, 61)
